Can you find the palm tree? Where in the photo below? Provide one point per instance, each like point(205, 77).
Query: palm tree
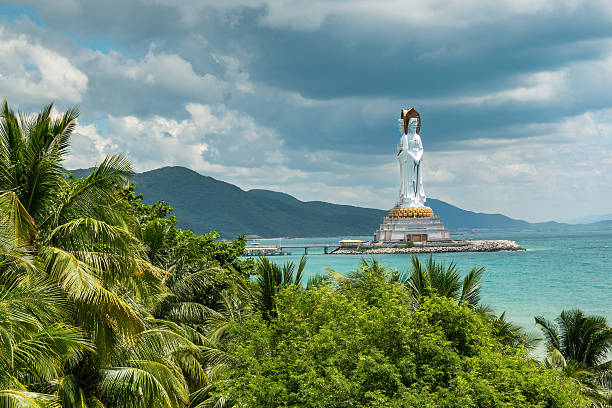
point(77, 229)
point(579, 346)
point(216, 360)
point(269, 277)
point(506, 332)
point(35, 343)
point(74, 237)
point(434, 277)
point(423, 280)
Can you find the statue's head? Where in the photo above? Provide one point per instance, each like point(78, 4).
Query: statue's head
point(407, 117)
point(412, 126)
point(400, 125)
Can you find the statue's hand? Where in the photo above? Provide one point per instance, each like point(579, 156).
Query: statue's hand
point(416, 155)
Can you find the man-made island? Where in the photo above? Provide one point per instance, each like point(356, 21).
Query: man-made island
point(410, 226)
point(428, 247)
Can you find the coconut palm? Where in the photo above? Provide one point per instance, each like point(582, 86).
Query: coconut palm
point(356, 277)
point(216, 360)
point(579, 347)
point(35, 343)
point(434, 277)
point(77, 228)
point(507, 332)
point(73, 236)
point(270, 276)
point(584, 339)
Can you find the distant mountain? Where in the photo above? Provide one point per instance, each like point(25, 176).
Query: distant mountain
point(589, 219)
point(203, 203)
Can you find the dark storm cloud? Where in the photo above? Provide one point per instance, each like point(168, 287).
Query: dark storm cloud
point(337, 62)
point(345, 59)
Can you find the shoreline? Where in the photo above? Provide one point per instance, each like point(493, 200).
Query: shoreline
point(432, 247)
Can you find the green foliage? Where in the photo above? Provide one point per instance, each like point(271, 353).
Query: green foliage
point(270, 277)
point(579, 347)
point(363, 345)
point(170, 245)
point(84, 267)
point(446, 281)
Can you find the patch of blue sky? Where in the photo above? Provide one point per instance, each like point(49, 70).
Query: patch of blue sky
point(99, 119)
point(103, 44)
point(14, 12)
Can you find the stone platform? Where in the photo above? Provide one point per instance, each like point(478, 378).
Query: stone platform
point(411, 224)
point(435, 247)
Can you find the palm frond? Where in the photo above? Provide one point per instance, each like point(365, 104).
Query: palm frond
point(470, 293)
point(24, 399)
point(550, 331)
point(81, 284)
point(142, 383)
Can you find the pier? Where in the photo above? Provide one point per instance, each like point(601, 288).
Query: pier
point(256, 249)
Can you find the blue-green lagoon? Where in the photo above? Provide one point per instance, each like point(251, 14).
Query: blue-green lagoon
point(559, 270)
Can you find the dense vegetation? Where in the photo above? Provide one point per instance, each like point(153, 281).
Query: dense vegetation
point(105, 302)
point(362, 344)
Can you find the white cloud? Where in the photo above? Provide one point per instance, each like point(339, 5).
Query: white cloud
point(88, 147)
point(213, 140)
point(555, 175)
point(537, 87)
point(190, 100)
point(160, 71)
point(235, 72)
point(31, 73)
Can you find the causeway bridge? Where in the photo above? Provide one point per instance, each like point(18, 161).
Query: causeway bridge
point(279, 249)
point(325, 247)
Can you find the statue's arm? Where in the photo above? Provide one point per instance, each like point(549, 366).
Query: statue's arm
point(418, 155)
point(415, 154)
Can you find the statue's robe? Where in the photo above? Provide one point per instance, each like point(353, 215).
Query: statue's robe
point(411, 184)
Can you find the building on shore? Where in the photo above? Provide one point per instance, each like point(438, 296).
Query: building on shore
point(410, 219)
point(350, 243)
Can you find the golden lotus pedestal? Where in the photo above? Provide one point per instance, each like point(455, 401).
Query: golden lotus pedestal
point(416, 224)
point(411, 212)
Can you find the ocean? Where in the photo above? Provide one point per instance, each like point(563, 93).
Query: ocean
point(559, 270)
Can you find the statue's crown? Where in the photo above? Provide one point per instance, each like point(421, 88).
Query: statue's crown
point(410, 113)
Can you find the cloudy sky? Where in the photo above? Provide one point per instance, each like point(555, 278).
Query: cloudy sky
point(303, 96)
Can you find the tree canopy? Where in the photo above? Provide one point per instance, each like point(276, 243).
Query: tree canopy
point(364, 345)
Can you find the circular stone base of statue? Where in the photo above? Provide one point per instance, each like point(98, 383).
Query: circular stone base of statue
point(414, 212)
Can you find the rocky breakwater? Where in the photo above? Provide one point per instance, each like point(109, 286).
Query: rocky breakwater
point(429, 247)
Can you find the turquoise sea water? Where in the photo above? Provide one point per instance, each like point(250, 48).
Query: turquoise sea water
point(559, 270)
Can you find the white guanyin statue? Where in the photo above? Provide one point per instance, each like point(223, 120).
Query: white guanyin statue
point(410, 154)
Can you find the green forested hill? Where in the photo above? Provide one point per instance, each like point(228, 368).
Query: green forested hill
point(203, 203)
